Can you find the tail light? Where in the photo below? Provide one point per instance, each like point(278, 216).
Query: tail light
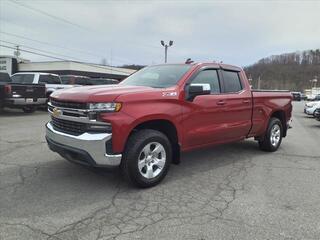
point(7, 89)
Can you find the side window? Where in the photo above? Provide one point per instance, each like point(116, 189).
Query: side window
point(210, 77)
point(55, 79)
point(231, 81)
point(80, 81)
point(44, 79)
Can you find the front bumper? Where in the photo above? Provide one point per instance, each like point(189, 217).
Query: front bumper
point(25, 101)
point(87, 148)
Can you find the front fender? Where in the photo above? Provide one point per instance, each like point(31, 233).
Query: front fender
point(123, 125)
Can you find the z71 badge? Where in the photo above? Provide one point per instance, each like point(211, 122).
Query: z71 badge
point(169, 94)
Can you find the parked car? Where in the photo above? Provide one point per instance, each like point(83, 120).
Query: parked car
point(296, 96)
point(310, 107)
point(102, 81)
point(304, 97)
point(26, 96)
point(51, 81)
point(75, 79)
point(317, 98)
point(143, 123)
point(317, 114)
point(314, 97)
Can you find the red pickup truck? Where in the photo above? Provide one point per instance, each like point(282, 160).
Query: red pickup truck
point(144, 123)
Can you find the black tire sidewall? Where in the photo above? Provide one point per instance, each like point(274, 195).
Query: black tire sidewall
point(274, 121)
point(132, 155)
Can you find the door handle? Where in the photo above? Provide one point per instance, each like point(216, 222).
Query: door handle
point(220, 102)
point(246, 101)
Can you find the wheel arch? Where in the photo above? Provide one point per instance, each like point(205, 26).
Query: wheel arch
point(281, 115)
point(165, 126)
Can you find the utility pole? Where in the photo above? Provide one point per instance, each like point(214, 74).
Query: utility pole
point(166, 49)
point(17, 52)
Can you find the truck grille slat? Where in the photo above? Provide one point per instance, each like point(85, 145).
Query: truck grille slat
point(74, 105)
point(69, 127)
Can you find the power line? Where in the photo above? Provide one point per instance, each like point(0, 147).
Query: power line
point(74, 24)
point(37, 49)
point(62, 59)
point(50, 44)
point(62, 47)
point(48, 14)
point(40, 54)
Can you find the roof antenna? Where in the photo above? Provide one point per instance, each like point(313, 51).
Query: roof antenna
point(188, 61)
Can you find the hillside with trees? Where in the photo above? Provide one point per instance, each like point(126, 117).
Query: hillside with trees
point(290, 71)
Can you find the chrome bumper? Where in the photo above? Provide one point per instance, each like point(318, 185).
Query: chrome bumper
point(23, 101)
point(93, 144)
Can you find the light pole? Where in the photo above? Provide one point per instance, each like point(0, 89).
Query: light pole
point(166, 49)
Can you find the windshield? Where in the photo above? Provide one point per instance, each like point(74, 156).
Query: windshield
point(161, 76)
point(23, 78)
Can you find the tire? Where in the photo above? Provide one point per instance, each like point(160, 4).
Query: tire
point(142, 166)
point(1, 108)
point(29, 109)
point(273, 136)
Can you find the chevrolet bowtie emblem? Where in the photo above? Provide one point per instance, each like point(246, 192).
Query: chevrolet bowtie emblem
point(56, 112)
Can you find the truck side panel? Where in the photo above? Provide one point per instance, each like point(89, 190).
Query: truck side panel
point(264, 105)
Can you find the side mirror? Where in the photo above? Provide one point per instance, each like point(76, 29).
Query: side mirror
point(196, 89)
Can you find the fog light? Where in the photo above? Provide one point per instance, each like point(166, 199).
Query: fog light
point(99, 128)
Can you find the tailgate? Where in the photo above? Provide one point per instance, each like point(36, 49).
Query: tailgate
point(29, 90)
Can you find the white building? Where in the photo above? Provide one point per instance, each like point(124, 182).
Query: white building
point(11, 65)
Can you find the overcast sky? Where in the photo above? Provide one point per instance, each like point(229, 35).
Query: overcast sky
point(125, 32)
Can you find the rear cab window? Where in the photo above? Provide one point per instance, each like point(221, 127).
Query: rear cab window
point(231, 81)
point(23, 78)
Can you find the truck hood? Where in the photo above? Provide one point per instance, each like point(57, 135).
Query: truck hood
point(105, 93)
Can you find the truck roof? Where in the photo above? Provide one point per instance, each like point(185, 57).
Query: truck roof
point(40, 73)
point(209, 64)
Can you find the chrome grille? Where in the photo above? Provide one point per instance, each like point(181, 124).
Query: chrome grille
point(69, 127)
point(73, 105)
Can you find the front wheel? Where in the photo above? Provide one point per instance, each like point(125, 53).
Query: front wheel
point(273, 136)
point(147, 158)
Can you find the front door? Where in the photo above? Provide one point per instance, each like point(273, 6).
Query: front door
point(204, 116)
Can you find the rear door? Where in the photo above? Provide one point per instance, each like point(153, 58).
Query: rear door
point(237, 101)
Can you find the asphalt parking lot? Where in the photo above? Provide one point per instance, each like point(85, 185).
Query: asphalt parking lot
point(226, 192)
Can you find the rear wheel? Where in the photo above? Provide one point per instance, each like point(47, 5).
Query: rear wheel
point(29, 109)
point(273, 136)
point(147, 158)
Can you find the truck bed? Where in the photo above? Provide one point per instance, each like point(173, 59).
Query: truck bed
point(266, 103)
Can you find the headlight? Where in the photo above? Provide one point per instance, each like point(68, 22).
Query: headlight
point(105, 107)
